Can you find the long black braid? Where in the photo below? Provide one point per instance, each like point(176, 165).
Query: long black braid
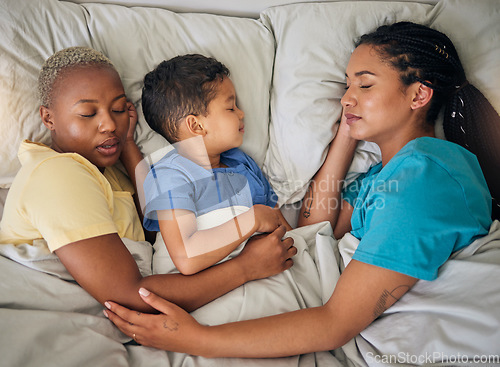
point(428, 56)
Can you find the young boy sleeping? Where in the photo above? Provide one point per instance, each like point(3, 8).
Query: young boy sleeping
point(191, 101)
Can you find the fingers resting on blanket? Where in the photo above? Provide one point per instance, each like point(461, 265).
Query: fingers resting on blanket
point(163, 331)
point(267, 254)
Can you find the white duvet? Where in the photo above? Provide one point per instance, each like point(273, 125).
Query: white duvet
point(48, 320)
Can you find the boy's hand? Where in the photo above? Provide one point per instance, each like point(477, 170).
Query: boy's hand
point(267, 219)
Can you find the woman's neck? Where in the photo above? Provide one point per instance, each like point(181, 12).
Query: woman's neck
point(392, 146)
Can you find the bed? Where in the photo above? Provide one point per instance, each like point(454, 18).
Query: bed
point(287, 62)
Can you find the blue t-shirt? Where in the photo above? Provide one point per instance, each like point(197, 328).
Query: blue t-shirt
point(428, 201)
point(175, 182)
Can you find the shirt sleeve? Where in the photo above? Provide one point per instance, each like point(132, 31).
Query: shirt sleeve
point(350, 192)
point(67, 202)
point(166, 188)
point(414, 218)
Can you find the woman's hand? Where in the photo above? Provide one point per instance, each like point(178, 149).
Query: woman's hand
point(323, 201)
point(132, 113)
point(173, 329)
point(267, 254)
point(130, 151)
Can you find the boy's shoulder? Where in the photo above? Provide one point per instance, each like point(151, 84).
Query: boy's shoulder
point(173, 163)
point(172, 160)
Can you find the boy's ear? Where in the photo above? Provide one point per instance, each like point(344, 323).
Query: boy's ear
point(422, 97)
point(194, 125)
point(46, 116)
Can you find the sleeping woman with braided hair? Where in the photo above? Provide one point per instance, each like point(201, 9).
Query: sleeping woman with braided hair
point(426, 200)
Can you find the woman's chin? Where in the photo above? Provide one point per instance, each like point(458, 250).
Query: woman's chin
point(106, 161)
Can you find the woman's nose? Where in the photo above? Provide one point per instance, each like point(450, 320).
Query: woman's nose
point(107, 123)
point(347, 99)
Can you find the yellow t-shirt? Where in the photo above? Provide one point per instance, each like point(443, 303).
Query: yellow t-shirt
point(63, 198)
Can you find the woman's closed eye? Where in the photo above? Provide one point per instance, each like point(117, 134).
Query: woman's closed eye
point(361, 86)
point(119, 107)
point(87, 115)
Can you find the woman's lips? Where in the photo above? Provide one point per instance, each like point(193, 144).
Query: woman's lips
point(109, 146)
point(351, 119)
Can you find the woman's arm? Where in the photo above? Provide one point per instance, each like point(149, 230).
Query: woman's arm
point(131, 157)
point(137, 168)
point(322, 201)
point(103, 267)
point(362, 293)
point(193, 250)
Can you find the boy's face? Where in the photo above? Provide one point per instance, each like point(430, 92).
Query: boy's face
point(224, 122)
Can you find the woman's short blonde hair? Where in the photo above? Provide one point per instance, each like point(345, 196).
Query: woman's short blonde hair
point(61, 62)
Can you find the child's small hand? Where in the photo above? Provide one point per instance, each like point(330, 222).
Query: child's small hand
point(267, 219)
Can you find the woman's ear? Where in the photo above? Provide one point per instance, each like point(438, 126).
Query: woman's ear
point(422, 97)
point(46, 116)
point(194, 126)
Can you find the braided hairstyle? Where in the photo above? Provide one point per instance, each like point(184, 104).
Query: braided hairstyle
point(422, 54)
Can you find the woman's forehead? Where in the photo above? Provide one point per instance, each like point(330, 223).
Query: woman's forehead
point(366, 60)
point(87, 79)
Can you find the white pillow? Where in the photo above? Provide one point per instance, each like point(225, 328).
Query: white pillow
point(30, 31)
point(474, 28)
point(136, 40)
point(314, 42)
point(240, 8)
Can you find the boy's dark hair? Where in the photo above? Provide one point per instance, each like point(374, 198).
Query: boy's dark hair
point(176, 88)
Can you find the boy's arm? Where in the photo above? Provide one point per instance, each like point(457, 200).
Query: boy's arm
point(193, 250)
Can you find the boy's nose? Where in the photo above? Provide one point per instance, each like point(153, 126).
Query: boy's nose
point(241, 114)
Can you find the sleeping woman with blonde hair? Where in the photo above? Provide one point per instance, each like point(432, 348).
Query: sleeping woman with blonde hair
point(71, 195)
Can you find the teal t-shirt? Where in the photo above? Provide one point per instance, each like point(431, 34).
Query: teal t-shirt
point(428, 201)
